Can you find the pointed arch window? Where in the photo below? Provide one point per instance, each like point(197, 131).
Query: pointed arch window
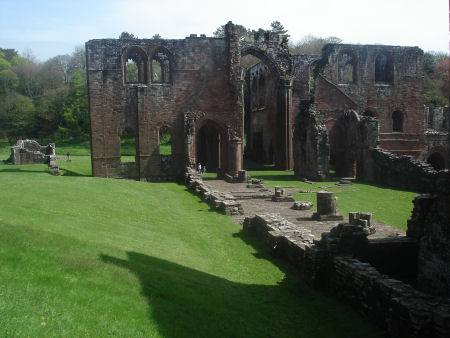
point(161, 67)
point(135, 65)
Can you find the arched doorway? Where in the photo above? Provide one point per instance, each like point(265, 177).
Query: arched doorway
point(344, 144)
point(264, 120)
point(211, 147)
point(437, 161)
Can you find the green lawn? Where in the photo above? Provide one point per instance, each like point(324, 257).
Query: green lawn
point(83, 256)
point(390, 206)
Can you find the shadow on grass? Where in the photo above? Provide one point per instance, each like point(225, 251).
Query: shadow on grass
point(22, 170)
point(74, 173)
point(381, 186)
point(187, 302)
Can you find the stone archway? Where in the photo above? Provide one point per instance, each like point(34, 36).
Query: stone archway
point(267, 111)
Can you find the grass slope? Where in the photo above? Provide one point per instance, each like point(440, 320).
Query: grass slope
point(84, 256)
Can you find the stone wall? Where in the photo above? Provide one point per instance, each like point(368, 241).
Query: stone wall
point(202, 86)
point(383, 167)
point(346, 79)
point(430, 225)
point(312, 149)
point(339, 262)
point(436, 137)
point(437, 118)
point(31, 152)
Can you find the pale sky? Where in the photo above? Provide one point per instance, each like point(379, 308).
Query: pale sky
point(51, 27)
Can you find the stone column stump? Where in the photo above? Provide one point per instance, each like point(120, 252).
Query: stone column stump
point(327, 207)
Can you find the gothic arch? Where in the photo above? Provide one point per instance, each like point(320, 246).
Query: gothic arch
point(161, 65)
point(140, 59)
point(264, 57)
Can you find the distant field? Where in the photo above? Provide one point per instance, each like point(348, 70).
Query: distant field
point(83, 256)
point(390, 206)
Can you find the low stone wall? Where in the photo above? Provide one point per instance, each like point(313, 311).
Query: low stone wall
point(383, 167)
point(398, 307)
point(224, 203)
point(332, 264)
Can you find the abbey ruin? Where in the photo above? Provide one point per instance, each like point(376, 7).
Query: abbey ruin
point(357, 110)
point(218, 112)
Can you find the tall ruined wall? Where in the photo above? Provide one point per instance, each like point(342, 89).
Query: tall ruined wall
point(198, 82)
point(349, 81)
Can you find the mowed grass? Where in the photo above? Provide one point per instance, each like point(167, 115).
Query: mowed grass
point(83, 256)
point(390, 206)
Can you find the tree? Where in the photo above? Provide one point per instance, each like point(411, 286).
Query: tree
point(277, 27)
point(311, 44)
point(16, 115)
point(156, 36)
point(436, 79)
point(8, 81)
point(127, 36)
point(241, 31)
point(28, 73)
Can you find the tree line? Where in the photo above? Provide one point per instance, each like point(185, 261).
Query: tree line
point(48, 100)
point(44, 100)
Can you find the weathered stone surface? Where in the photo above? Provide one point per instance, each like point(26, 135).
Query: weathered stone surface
point(302, 205)
point(312, 147)
point(347, 79)
point(30, 152)
point(224, 203)
point(392, 304)
point(327, 206)
point(362, 219)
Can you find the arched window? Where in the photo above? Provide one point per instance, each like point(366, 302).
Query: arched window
point(161, 72)
point(347, 68)
point(384, 72)
point(135, 65)
point(165, 141)
point(262, 91)
point(397, 121)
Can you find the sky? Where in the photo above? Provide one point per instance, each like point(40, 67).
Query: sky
point(53, 27)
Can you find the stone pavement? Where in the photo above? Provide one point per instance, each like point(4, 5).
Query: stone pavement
point(258, 201)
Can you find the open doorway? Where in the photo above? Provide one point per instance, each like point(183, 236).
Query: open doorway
point(263, 123)
point(211, 147)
